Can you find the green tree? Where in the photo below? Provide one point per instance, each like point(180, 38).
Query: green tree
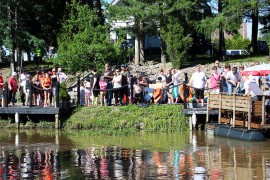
point(178, 42)
point(84, 42)
point(227, 17)
point(237, 42)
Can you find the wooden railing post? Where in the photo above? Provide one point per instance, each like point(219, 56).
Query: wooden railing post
point(6, 95)
point(30, 94)
point(78, 91)
point(131, 89)
point(185, 90)
point(57, 94)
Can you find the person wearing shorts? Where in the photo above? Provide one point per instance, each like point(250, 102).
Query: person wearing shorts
point(102, 85)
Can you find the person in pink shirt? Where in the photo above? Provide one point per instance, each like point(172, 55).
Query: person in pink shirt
point(214, 80)
point(1, 88)
point(12, 87)
point(102, 85)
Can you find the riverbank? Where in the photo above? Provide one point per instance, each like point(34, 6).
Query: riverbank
point(110, 119)
point(160, 118)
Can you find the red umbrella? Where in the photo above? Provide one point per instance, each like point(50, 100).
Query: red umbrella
point(258, 70)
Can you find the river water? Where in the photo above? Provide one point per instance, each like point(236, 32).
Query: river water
point(77, 155)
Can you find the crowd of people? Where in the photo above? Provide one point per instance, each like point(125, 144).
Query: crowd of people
point(113, 87)
point(42, 85)
point(229, 80)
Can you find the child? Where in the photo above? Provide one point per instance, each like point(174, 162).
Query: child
point(103, 85)
point(87, 92)
point(158, 91)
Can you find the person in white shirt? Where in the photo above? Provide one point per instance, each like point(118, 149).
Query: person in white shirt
point(23, 79)
point(62, 75)
point(233, 79)
point(198, 82)
point(252, 88)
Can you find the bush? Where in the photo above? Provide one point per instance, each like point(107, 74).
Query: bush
point(63, 93)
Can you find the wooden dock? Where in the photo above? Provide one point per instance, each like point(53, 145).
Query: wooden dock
point(37, 110)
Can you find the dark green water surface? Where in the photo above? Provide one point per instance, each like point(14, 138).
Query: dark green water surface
point(36, 154)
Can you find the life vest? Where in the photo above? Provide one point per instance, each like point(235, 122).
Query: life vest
point(47, 82)
point(189, 93)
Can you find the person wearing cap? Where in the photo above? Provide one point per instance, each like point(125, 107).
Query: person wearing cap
point(219, 68)
point(22, 79)
point(13, 88)
point(125, 80)
point(1, 87)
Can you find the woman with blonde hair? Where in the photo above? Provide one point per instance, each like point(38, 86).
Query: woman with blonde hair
point(117, 81)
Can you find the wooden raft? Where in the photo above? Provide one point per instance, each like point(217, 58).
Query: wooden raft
point(239, 110)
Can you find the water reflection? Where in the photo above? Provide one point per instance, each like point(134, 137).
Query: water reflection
point(50, 155)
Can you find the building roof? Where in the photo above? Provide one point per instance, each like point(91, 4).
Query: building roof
point(116, 2)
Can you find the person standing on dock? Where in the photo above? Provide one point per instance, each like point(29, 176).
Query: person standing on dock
point(198, 82)
point(214, 80)
point(47, 87)
point(22, 86)
point(13, 88)
point(62, 75)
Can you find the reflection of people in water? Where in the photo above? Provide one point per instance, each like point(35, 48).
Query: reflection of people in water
point(161, 166)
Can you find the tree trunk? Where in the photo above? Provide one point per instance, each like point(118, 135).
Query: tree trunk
point(141, 45)
point(221, 48)
point(137, 50)
point(163, 56)
point(163, 50)
point(254, 36)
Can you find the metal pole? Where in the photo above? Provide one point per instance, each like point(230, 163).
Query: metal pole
point(131, 89)
point(6, 95)
point(30, 94)
point(57, 94)
point(185, 90)
point(78, 91)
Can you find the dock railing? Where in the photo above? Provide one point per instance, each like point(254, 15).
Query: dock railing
point(239, 110)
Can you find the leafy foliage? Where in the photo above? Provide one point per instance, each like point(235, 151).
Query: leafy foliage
point(152, 118)
point(84, 43)
point(237, 42)
point(178, 43)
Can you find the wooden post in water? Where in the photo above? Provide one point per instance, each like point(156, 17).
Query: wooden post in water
point(6, 95)
point(131, 89)
point(78, 91)
point(57, 94)
point(185, 90)
point(31, 95)
point(57, 122)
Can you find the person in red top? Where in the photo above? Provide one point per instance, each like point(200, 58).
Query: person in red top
point(1, 86)
point(12, 87)
point(47, 87)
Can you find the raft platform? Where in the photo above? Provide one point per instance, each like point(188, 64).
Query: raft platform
point(239, 116)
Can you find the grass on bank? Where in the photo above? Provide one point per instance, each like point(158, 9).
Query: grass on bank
point(162, 118)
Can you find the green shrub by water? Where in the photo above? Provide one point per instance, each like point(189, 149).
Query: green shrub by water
point(165, 118)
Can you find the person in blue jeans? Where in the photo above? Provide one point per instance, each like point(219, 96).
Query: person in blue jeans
point(233, 78)
point(108, 76)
